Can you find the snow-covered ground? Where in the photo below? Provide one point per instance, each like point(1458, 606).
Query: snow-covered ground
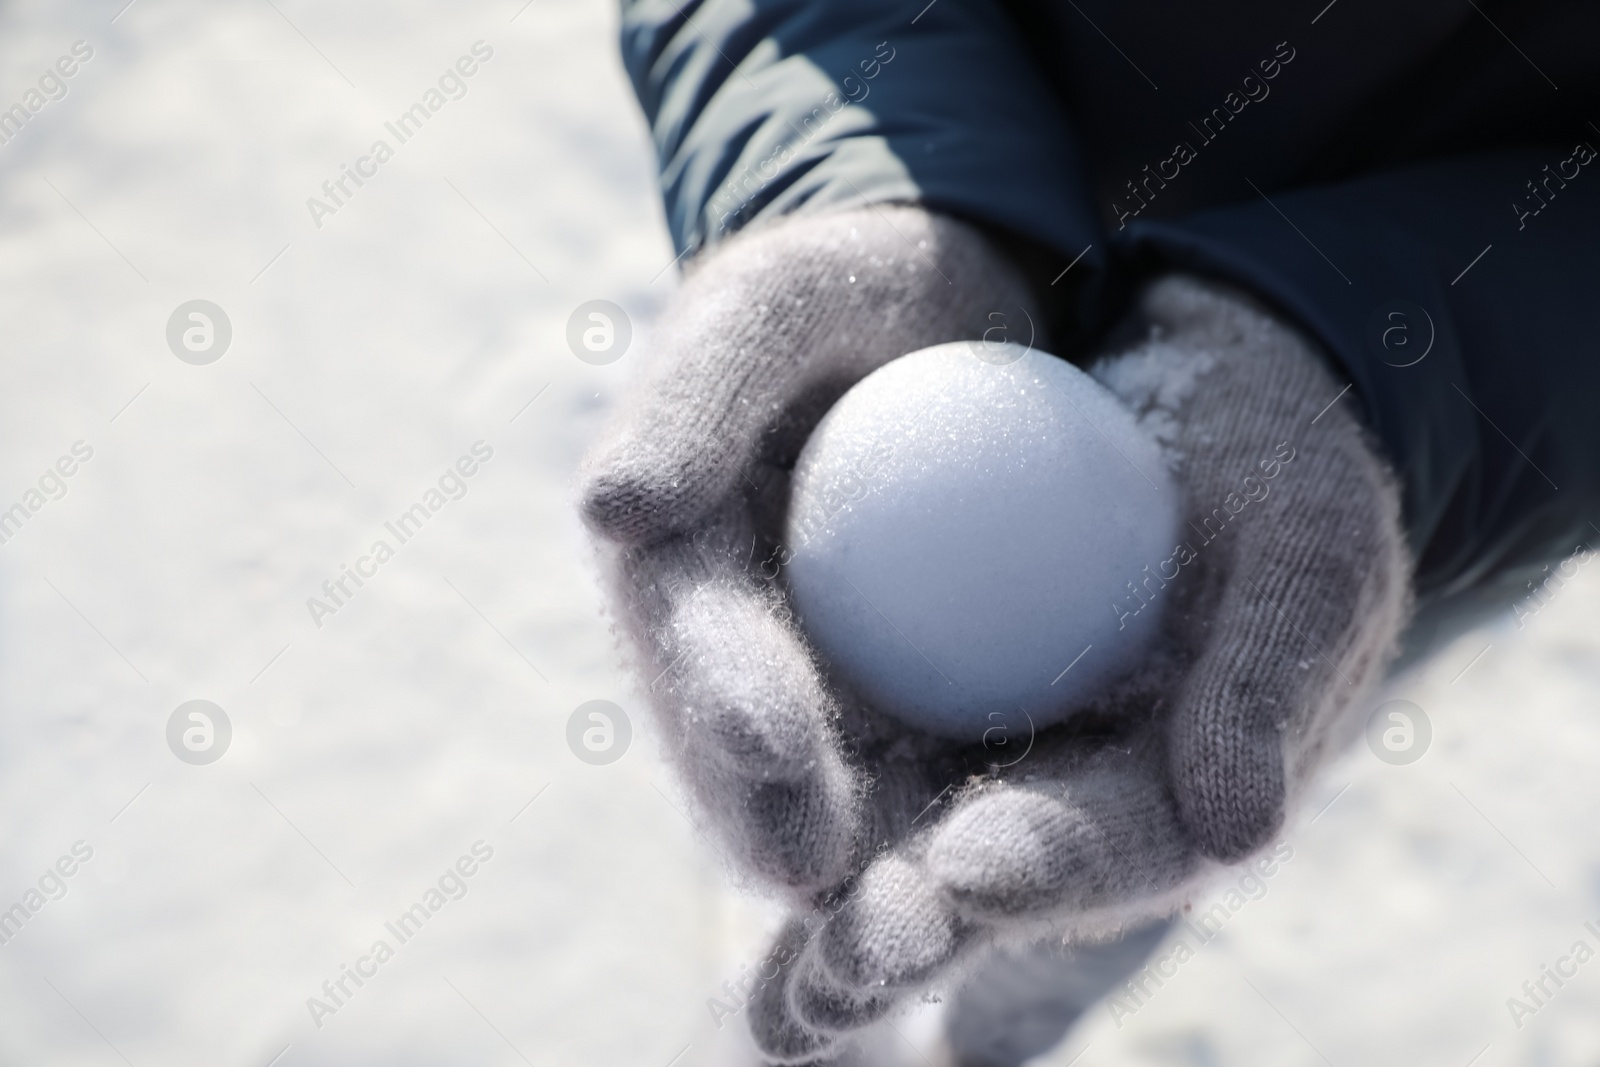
point(404, 737)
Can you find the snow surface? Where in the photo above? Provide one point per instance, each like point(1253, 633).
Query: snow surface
point(372, 752)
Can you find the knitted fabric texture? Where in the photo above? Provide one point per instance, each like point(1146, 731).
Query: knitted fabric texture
point(1283, 609)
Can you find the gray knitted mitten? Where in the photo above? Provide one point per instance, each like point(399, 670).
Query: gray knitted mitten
point(904, 853)
point(761, 339)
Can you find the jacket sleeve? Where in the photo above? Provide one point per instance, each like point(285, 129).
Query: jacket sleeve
point(1459, 298)
point(765, 107)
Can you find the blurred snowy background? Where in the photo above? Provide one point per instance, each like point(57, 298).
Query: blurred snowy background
point(430, 713)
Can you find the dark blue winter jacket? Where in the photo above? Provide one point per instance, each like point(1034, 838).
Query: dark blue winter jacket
point(1415, 183)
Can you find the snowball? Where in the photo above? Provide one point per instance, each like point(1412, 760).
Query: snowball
point(966, 529)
